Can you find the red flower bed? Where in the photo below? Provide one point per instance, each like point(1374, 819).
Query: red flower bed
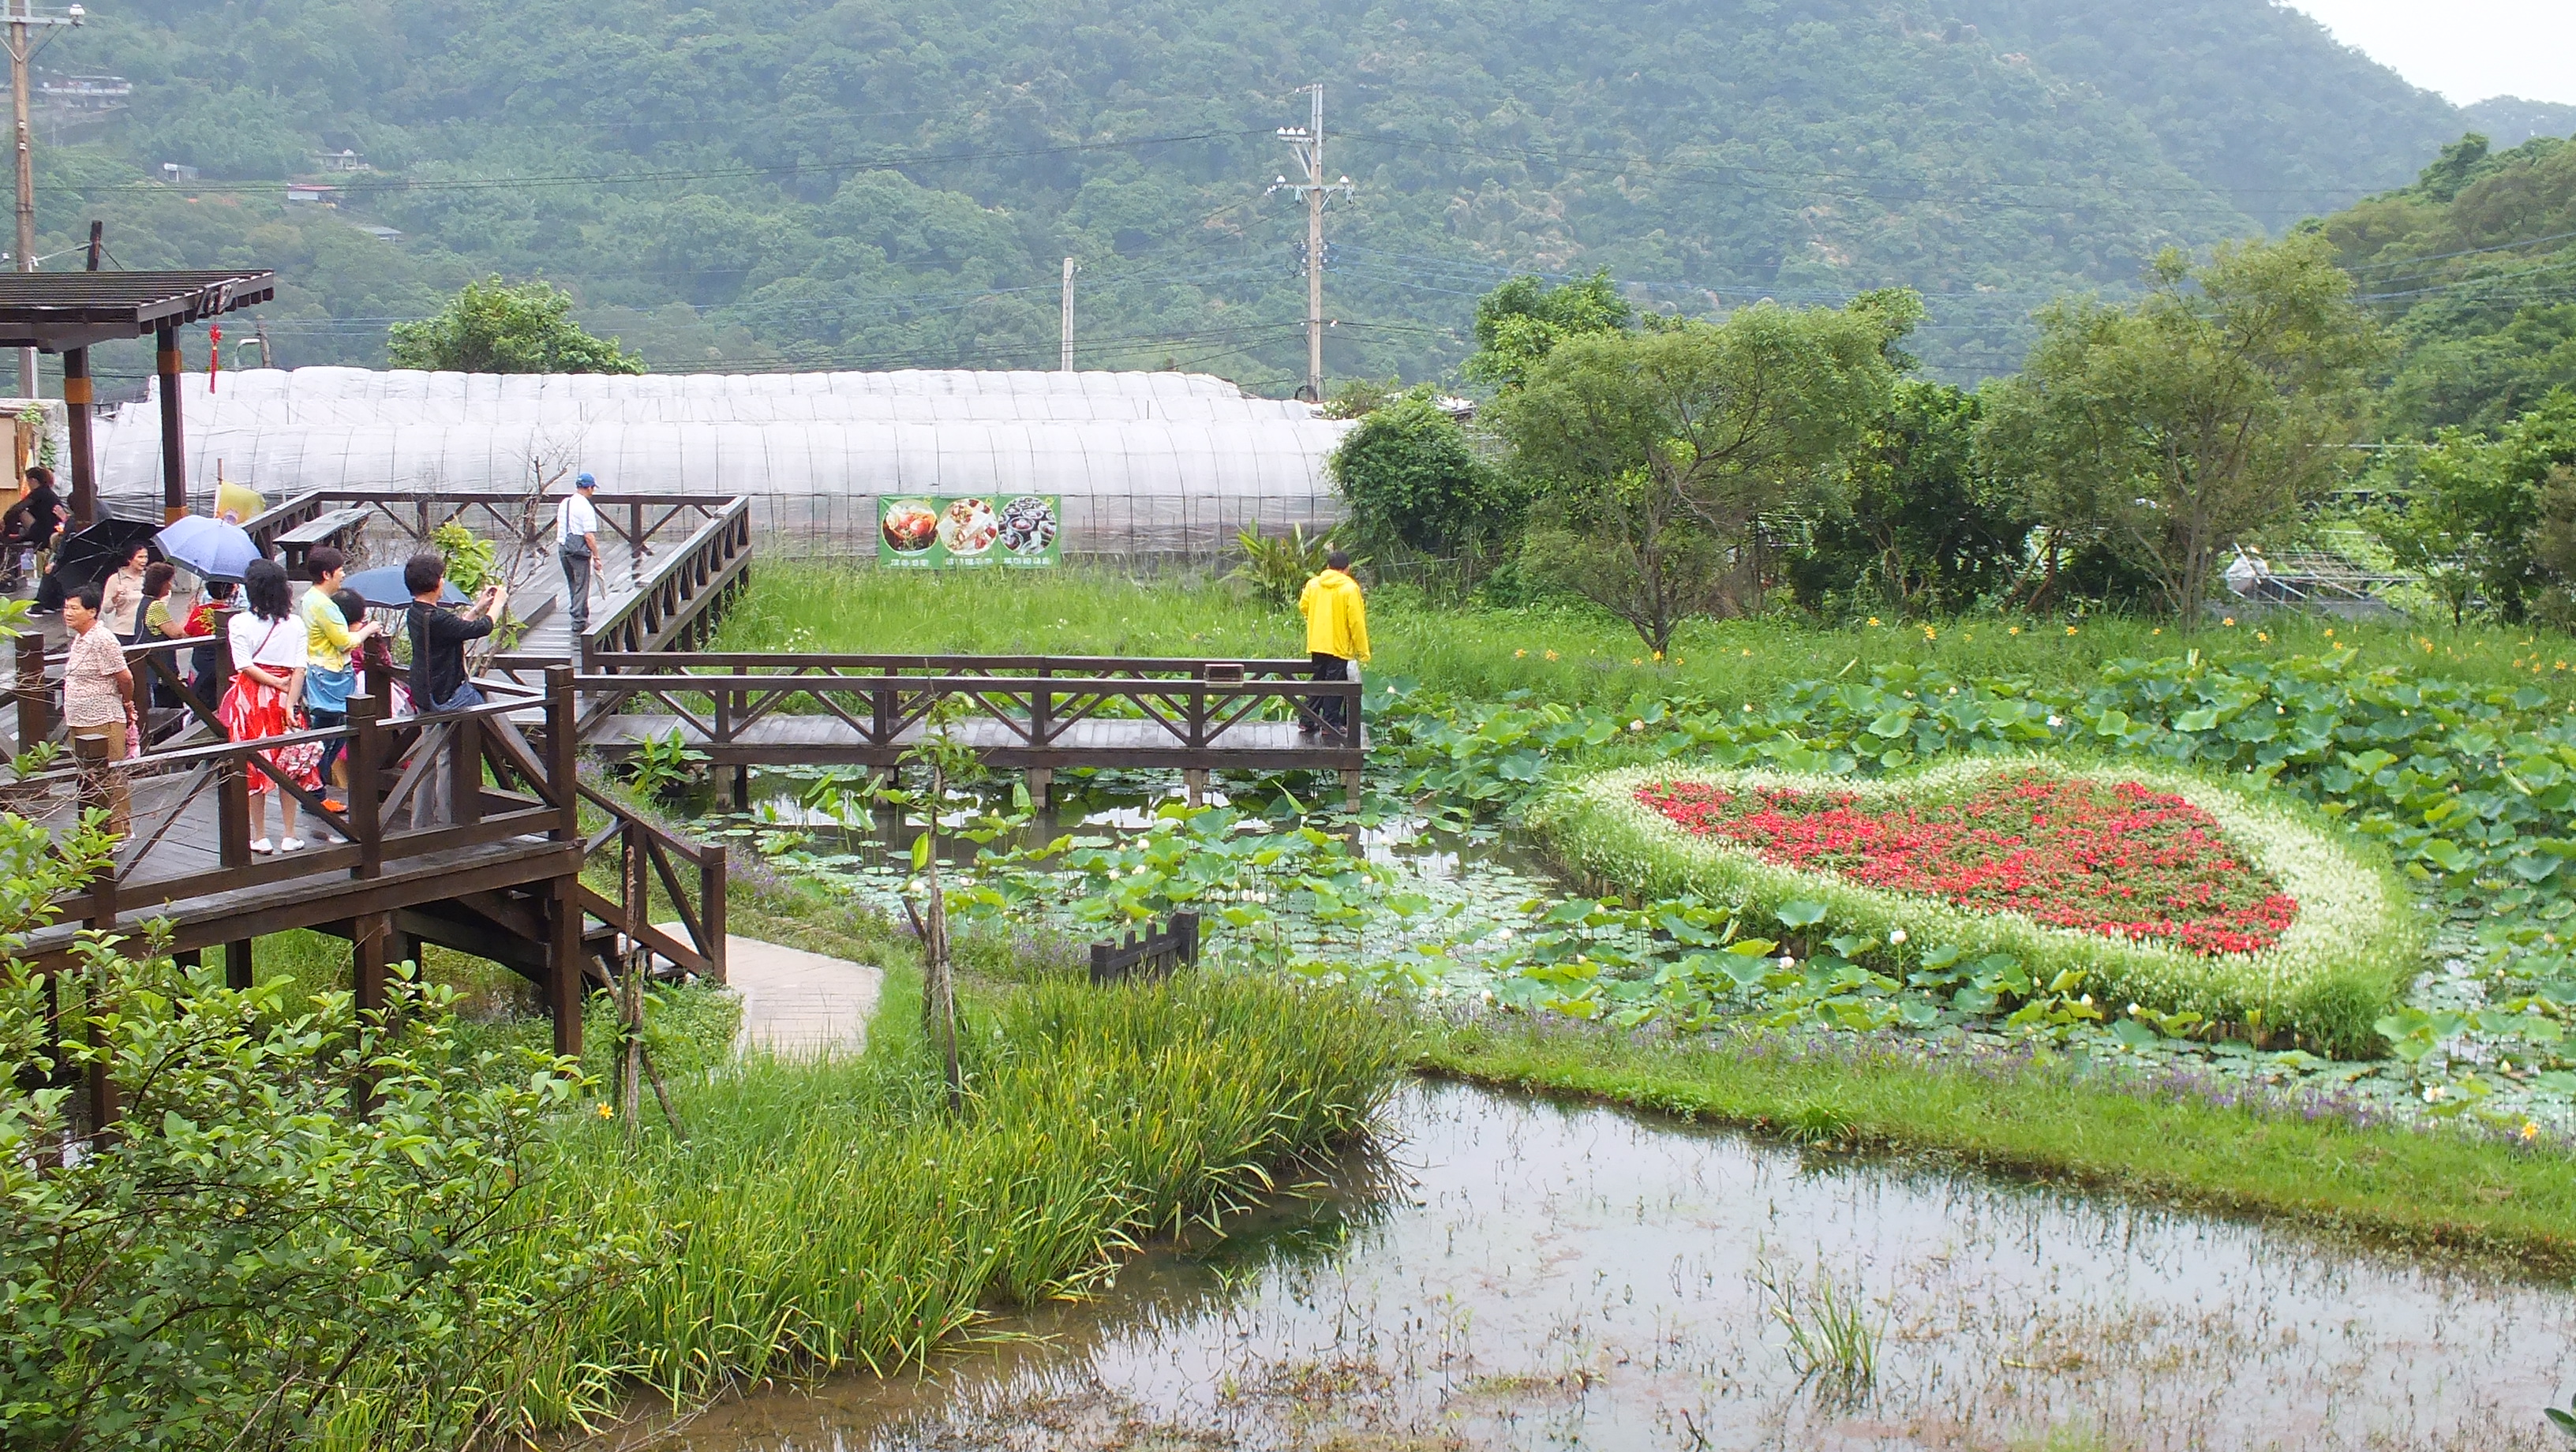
point(2110, 858)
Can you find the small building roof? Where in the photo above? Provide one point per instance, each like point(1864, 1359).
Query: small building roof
point(55, 311)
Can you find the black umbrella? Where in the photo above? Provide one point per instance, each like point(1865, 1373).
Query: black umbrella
point(101, 548)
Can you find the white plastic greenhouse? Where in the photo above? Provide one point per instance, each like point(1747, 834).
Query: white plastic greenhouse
point(1145, 462)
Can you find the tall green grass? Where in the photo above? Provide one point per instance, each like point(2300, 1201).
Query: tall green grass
point(832, 1215)
point(1569, 652)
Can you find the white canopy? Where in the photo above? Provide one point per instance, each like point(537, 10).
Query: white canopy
point(796, 440)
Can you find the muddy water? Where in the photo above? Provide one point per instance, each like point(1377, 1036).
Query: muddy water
point(1509, 1273)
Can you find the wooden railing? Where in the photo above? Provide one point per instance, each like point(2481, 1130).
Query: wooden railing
point(635, 520)
point(643, 855)
point(678, 601)
point(179, 800)
point(720, 697)
point(443, 783)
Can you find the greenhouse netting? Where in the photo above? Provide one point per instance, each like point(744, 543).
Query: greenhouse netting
point(1145, 463)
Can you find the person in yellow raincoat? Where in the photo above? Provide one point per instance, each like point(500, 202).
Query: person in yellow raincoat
point(1336, 636)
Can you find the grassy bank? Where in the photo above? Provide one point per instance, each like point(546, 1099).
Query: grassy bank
point(1571, 652)
point(2038, 1121)
point(834, 1215)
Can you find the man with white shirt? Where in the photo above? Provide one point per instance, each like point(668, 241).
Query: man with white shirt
point(577, 545)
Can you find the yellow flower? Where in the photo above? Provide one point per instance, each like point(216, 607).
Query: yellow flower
point(2230, 621)
point(2016, 630)
point(2329, 635)
point(605, 1112)
point(1551, 655)
point(2159, 630)
point(1748, 652)
point(1636, 660)
point(1520, 655)
point(2530, 1129)
point(1928, 632)
point(1659, 655)
point(2261, 636)
point(2070, 630)
point(1873, 620)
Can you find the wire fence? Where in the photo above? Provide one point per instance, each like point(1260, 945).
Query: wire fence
point(1179, 531)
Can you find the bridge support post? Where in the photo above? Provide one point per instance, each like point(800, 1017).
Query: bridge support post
point(742, 788)
point(369, 936)
point(237, 965)
point(563, 963)
point(1350, 790)
point(1194, 785)
point(1042, 787)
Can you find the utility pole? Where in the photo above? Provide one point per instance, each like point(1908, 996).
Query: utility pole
point(1067, 363)
point(1307, 142)
point(23, 16)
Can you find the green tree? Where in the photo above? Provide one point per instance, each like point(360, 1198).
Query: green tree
point(492, 327)
point(1632, 546)
point(1693, 430)
point(2209, 410)
point(1915, 525)
point(1524, 320)
point(1412, 480)
point(2473, 520)
point(307, 1215)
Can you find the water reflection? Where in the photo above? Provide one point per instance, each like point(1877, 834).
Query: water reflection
point(1540, 1276)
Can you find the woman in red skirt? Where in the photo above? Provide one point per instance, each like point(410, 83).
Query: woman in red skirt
point(268, 643)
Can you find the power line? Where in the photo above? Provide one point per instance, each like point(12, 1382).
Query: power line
point(888, 161)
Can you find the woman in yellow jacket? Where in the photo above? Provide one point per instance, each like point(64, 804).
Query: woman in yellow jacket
point(1336, 635)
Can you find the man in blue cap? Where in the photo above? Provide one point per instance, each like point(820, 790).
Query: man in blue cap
point(577, 544)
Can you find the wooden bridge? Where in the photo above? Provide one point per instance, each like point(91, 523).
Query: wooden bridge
point(473, 829)
point(1033, 714)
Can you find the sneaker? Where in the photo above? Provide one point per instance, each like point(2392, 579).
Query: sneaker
point(327, 837)
point(261, 846)
point(334, 804)
point(290, 844)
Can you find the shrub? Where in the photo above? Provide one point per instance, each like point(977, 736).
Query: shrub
point(300, 1224)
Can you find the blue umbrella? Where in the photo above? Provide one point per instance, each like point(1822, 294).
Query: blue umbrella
point(383, 585)
point(207, 547)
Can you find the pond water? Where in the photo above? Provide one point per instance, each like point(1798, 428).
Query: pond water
point(1502, 1272)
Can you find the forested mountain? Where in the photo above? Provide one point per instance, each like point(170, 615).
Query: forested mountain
point(870, 183)
point(2474, 267)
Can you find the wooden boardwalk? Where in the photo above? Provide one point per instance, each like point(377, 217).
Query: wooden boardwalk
point(473, 829)
point(1033, 714)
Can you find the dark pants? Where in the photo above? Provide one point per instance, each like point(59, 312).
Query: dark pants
point(320, 720)
point(1328, 709)
point(576, 563)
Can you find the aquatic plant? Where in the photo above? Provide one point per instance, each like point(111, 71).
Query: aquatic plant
point(1832, 1338)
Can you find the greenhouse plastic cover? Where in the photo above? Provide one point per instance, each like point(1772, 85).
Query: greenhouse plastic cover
point(1080, 435)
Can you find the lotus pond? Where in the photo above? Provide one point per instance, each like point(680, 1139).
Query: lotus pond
point(1500, 1272)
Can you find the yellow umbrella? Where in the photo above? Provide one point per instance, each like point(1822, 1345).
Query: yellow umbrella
point(237, 502)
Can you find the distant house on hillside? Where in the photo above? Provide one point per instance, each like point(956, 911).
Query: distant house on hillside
point(318, 194)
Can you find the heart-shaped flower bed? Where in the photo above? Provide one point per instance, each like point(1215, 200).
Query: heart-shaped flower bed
point(2155, 887)
point(2111, 857)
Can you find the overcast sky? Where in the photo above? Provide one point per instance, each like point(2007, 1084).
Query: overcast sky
point(2466, 49)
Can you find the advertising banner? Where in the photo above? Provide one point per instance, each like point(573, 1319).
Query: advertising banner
point(962, 531)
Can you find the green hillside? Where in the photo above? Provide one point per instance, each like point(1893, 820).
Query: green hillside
point(2475, 267)
point(871, 184)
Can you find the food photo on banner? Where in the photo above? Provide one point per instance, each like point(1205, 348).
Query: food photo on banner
point(935, 531)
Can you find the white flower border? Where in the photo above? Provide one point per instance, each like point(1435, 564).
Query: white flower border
point(2356, 928)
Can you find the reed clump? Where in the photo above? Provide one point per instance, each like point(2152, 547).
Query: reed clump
point(834, 1215)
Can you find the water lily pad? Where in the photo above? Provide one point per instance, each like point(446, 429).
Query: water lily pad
point(2159, 888)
